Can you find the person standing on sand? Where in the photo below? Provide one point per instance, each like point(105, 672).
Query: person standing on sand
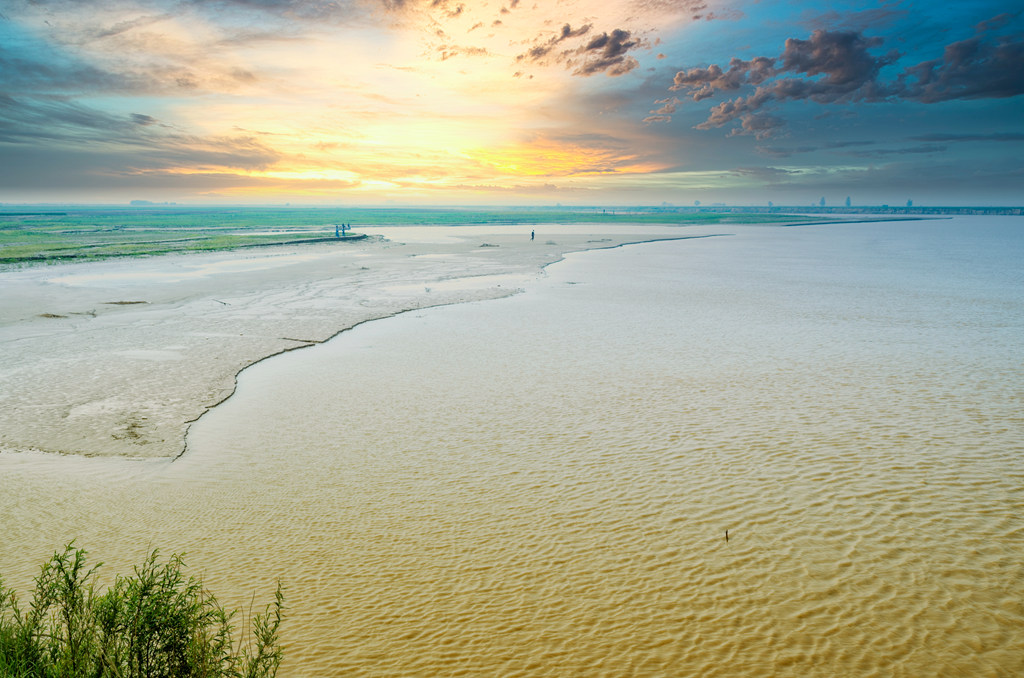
point(531, 235)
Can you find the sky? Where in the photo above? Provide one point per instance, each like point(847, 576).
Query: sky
point(512, 102)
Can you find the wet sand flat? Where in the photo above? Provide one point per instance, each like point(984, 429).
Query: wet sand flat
point(118, 357)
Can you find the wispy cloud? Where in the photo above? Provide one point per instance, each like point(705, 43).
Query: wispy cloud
point(954, 137)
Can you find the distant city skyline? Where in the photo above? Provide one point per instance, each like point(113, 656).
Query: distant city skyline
point(580, 102)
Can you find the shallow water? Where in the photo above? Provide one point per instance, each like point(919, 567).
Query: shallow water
point(541, 485)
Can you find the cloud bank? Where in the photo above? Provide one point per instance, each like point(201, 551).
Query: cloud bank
point(832, 67)
point(377, 100)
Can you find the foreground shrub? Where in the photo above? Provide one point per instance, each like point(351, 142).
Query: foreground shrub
point(155, 624)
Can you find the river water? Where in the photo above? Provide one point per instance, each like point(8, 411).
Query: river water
point(542, 485)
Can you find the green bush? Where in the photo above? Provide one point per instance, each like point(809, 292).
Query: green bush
point(155, 624)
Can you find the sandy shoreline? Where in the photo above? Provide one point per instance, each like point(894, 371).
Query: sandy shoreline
point(117, 358)
point(555, 469)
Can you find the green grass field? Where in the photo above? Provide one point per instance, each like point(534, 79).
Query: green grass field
point(39, 235)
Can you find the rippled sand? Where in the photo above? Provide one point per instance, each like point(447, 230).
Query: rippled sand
point(541, 484)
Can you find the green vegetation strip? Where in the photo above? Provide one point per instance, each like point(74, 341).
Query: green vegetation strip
point(157, 624)
point(99, 233)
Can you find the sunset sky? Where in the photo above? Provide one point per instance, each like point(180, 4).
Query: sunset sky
point(595, 102)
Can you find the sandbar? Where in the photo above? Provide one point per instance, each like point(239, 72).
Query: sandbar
point(119, 357)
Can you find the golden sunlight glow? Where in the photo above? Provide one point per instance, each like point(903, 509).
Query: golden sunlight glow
point(423, 97)
point(550, 158)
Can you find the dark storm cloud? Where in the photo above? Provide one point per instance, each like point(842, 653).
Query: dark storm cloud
point(842, 58)
point(706, 81)
point(841, 67)
point(539, 51)
point(604, 53)
point(970, 69)
point(837, 66)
